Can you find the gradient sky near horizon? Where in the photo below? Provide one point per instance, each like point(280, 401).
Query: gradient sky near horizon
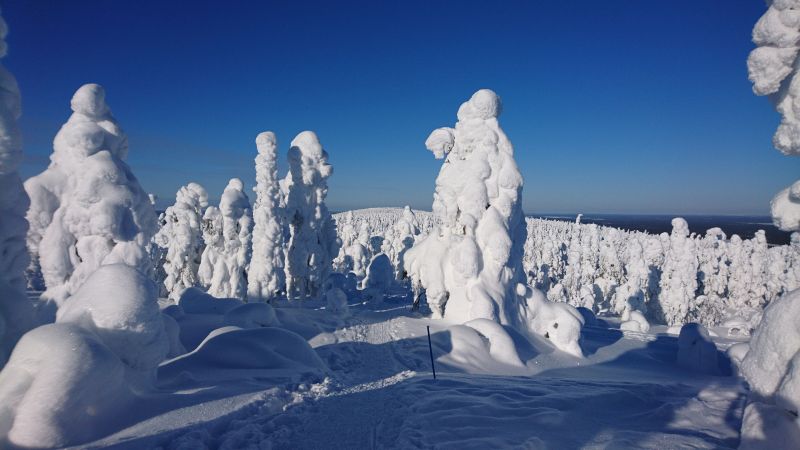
point(613, 107)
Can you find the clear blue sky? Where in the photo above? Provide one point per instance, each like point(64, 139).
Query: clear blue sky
point(612, 106)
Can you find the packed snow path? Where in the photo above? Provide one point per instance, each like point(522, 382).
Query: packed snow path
point(627, 393)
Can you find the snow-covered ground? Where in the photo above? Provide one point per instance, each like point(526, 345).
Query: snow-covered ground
point(377, 390)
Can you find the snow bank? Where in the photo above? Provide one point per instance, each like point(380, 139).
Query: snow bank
point(265, 276)
point(195, 301)
point(182, 238)
point(312, 233)
point(74, 230)
point(278, 351)
point(16, 314)
point(635, 322)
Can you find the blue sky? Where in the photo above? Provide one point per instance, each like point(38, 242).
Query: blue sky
point(612, 106)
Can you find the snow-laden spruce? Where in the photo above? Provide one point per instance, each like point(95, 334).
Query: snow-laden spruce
point(181, 236)
point(266, 277)
point(228, 234)
point(87, 208)
point(679, 275)
point(470, 265)
point(16, 315)
point(312, 233)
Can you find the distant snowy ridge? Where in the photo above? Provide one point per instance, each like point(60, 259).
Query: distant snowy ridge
point(588, 265)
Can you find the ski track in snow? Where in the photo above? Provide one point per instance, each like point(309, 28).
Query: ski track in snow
point(381, 395)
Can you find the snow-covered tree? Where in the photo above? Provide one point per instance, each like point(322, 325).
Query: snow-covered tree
point(16, 315)
point(228, 234)
point(266, 276)
point(87, 207)
point(312, 233)
point(679, 277)
point(471, 264)
point(182, 239)
point(404, 233)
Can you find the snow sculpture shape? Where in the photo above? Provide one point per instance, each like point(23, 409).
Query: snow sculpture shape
point(312, 233)
point(266, 276)
point(87, 207)
point(228, 234)
point(471, 263)
point(16, 314)
point(182, 238)
point(679, 277)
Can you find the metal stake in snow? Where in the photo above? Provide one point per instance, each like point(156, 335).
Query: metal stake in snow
point(430, 347)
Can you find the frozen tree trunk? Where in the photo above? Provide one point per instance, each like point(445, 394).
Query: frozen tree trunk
point(181, 237)
point(16, 314)
point(88, 207)
point(312, 233)
point(471, 264)
point(266, 277)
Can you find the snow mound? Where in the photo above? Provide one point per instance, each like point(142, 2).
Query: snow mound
point(278, 351)
point(501, 346)
point(696, 350)
point(195, 301)
point(767, 426)
point(252, 315)
point(120, 305)
point(636, 322)
point(60, 386)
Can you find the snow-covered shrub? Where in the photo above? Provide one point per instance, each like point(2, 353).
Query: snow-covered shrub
point(312, 233)
point(380, 273)
point(181, 236)
point(266, 277)
point(559, 322)
point(696, 350)
point(785, 207)
point(87, 208)
point(471, 263)
point(634, 321)
point(16, 314)
point(336, 301)
point(228, 234)
point(679, 275)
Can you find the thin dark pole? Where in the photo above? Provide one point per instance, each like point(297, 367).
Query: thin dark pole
point(430, 347)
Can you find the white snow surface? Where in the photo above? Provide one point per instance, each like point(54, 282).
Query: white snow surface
point(313, 379)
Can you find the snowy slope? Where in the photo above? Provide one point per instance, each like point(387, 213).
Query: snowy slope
point(378, 391)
